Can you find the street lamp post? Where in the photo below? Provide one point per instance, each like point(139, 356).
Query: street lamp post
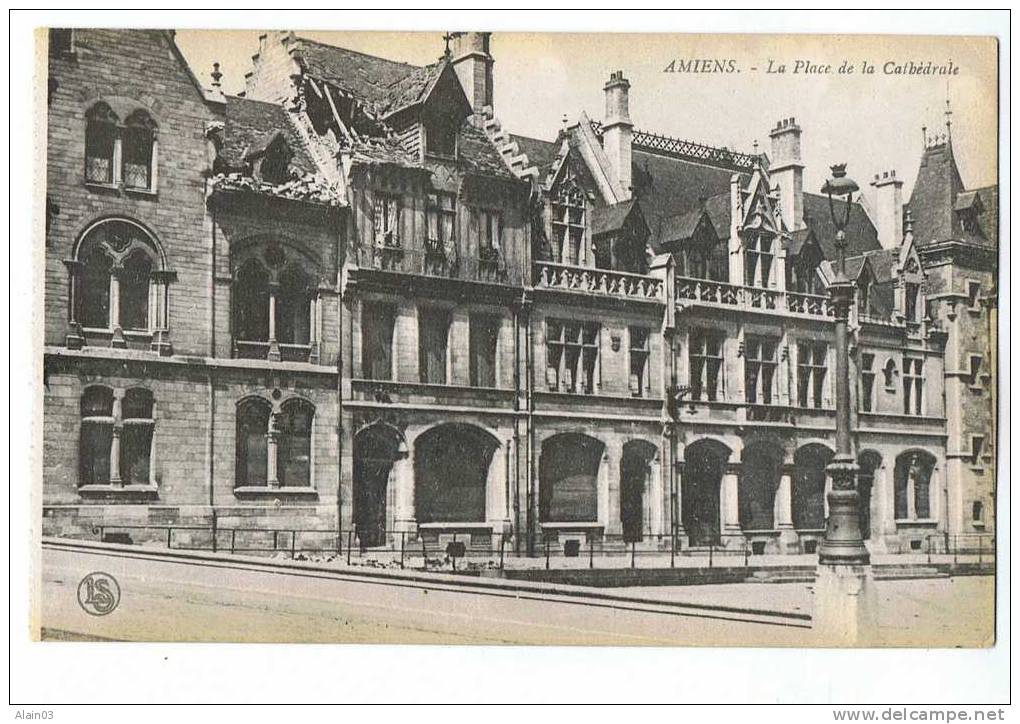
point(844, 600)
point(843, 542)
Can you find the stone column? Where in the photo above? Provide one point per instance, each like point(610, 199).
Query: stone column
point(118, 332)
point(314, 333)
point(497, 505)
point(161, 314)
point(402, 479)
point(605, 507)
point(74, 339)
point(118, 396)
point(272, 442)
point(274, 347)
point(611, 499)
point(654, 493)
point(784, 509)
point(729, 501)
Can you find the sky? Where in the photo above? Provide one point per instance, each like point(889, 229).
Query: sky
point(871, 122)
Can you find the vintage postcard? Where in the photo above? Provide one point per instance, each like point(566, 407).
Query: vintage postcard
point(478, 337)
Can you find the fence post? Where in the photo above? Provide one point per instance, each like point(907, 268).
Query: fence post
point(339, 541)
point(672, 549)
point(453, 559)
point(591, 551)
point(633, 546)
point(979, 551)
point(215, 528)
point(403, 535)
point(349, 547)
point(424, 554)
point(711, 548)
point(502, 545)
point(745, 553)
point(929, 550)
point(547, 554)
point(233, 536)
point(293, 543)
point(169, 536)
point(956, 547)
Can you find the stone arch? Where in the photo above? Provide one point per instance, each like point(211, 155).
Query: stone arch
point(377, 446)
point(451, 470)
point(635, 485)
point(704, 466)
point(808, 493)
point(568, 468)
point(868, 462)
point(912, 484)
point(760, 471)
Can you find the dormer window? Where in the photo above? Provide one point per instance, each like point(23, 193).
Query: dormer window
point(758, 258)
point(269, 161)
point(568, 223)
point(911, 309)
point(441, 138)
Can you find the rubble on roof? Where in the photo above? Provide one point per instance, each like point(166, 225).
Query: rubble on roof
point(308, 189)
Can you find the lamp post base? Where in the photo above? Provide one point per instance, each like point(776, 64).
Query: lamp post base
point(845, 610)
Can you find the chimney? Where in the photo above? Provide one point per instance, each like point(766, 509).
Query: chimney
point(888, 209)
point(473, 64)
point(617, 129)
point(787, 171)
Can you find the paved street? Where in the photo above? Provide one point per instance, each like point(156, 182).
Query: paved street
point(207, 600)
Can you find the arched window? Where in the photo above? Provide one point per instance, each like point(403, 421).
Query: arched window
point(451, 467)
point(139, 139)
point(568, 478)
point(134, 291)
point(275, 306)
point(251, 303)
point(96, 441)
point(136, 436)
point(912, 489)
point(251, 444)
point(293, 317)
point(809, 463)
point(118, 281)
point(120, 155)
point(100, 142)
point(759, 482)
point(294, 459)
point(115, 446)
point(94, 294)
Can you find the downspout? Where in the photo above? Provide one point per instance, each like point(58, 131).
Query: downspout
point(211, 450)
point(339, 390)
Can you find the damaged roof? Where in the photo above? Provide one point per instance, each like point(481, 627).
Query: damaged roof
point(252, 124)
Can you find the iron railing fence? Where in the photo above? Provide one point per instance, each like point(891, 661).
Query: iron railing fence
point(461, 549)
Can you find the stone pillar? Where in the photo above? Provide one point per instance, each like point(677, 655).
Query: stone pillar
point(497, 504)
point(402, 479)
point(729, 501)
point(160, 315)
point(679, 504)
point(911, 498)
point(74, 339)
point(314, 333)
point(784, 510)
point(118, 332)
point(272, 442)
point(654, 493)
point(115, 440)
point(606, 509)
point(274, 347)
point(611, 462)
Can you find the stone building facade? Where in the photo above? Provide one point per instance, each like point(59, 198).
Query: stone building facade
point(350, 299)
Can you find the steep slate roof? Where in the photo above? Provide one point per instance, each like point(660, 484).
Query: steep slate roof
point(607, 219)
point(541, 153)
point(475, 153)
point(861, 235)
point(670, 186)
point(251, 123)
point(989, 218)
point(368, 77)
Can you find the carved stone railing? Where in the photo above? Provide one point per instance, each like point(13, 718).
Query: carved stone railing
point(587, 280)
point(713, 293)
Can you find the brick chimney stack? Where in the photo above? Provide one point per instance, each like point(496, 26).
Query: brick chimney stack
point(617, 129)
point(473, 63)
point(888, 209)
point(787, 171)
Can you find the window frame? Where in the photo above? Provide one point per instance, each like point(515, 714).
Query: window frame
point(138, 119)
point(755, 255)
point(761, 363)
point(566, 226)
point(482, 326)
point(973, 295)
point(639, 355)
point(117, 448)
point(698, 351)
point(866, 402)
point(387, 209)
point(579, 354)
point(812, 377)
point(372, 309)
point(274, 446)
point(428, 315)
point(913, 386)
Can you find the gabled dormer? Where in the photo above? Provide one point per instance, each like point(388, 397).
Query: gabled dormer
point(804, 257)
point(269, 159)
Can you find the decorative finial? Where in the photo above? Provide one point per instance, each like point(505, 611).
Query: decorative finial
point(949, 121)
point(216, 75)
point(446, 40)
point(909, 221)
point(924, 136)
point(755, 144)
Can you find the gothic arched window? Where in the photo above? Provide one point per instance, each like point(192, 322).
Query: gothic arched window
point(115, 284)
point(139, 138)
point(252, 463)
point(100, 142)
point(294, 458)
